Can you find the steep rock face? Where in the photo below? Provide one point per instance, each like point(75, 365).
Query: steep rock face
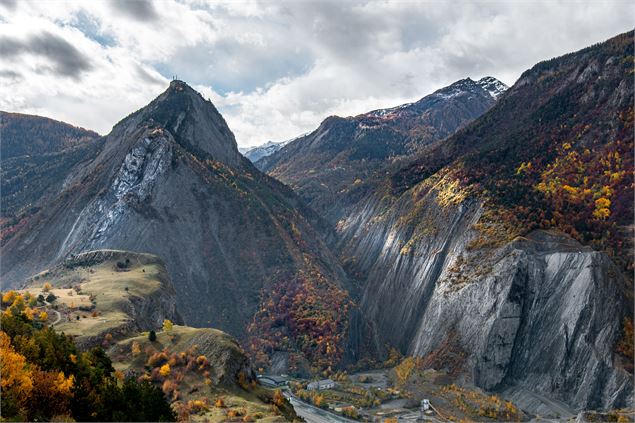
point(194, 123)
point(531, 313)
point(448, 254)
point(327, 165)
point(160, 184)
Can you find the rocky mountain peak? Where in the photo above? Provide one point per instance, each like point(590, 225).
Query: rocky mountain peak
point(492, 86)
point(193, 121)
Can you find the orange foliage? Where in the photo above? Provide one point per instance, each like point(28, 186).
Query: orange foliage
point(307, 314)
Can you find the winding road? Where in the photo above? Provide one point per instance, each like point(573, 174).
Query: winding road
point(312, 414)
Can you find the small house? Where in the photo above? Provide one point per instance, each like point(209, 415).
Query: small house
point(321, 385)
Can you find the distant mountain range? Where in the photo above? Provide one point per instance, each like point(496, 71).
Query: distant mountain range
point(38, 154)
point(267, 149)
point(325, 165)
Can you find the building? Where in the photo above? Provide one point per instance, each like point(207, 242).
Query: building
point(272, 381)
point(321, 385)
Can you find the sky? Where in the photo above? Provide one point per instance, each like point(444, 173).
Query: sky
point(275, 69)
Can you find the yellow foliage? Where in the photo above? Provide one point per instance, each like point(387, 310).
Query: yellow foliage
point(165, 370)
point(47, 287)
point(43, 316)
point(8, 297)
point(136, 348)
point(524, 167)
point(29, 313)
point(318, 401)
point(278, 398)
point(64, 384)
point(16, 379)
point(404, 370)
point(602, 208)
point(167, 325)
point(73, 358)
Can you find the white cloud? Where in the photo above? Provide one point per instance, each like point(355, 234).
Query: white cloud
point(275, 70)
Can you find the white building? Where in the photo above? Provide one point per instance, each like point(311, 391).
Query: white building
point(321, 385)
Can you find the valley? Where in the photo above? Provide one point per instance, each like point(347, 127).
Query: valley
point(464, 257)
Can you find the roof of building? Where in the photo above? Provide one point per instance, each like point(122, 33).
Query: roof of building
point(273, 378)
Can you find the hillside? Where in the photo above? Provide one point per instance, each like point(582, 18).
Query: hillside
point(107, 293)
point(38, 154)
point(327, 166)
point(170, 181)
point(124, 302)
point(208, 376)
point(468, 250)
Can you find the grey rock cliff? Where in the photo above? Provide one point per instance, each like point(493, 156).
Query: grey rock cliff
point(541, 312)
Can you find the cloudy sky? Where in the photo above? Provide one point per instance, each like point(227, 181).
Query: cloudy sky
point(275, 69)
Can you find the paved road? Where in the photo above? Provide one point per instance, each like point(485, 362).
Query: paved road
point(314, 414)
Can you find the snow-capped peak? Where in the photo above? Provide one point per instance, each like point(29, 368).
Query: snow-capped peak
point(492, 85)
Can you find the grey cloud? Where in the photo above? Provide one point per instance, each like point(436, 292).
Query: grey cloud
point(147, 77)
point(66, 59)
point(9, 74)
point(141, 10)
point(9, 4)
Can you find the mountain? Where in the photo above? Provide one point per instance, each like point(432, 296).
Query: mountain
point(503, 244)
point(169, 180)
point(38, 154)
point(267, 149)
point(324, 166)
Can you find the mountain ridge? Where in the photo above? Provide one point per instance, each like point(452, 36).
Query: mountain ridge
point(344, 152)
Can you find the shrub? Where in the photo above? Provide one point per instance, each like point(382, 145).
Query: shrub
point(152, 336)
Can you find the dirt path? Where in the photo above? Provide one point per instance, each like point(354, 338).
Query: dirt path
point(50, 308)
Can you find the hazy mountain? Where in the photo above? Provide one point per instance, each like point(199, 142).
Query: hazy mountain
point(267, 149)
point(169, 180)
point(326, 164)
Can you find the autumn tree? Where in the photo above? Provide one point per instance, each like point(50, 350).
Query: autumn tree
point(404, 370)
point(16, 381)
